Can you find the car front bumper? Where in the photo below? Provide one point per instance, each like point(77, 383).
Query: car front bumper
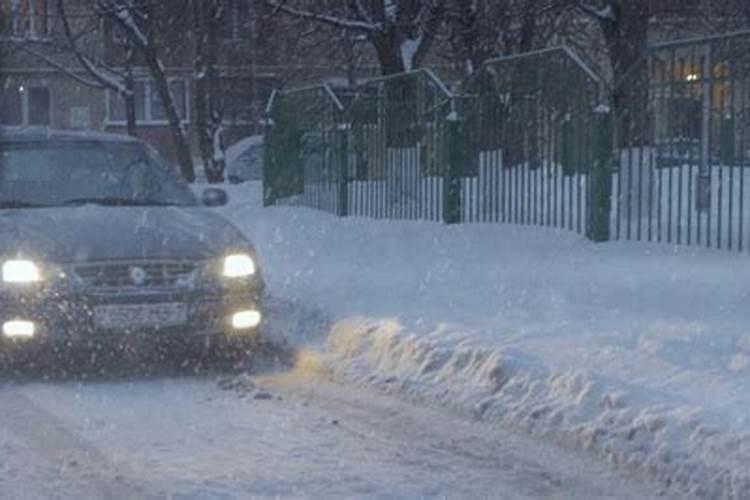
point(70, 318)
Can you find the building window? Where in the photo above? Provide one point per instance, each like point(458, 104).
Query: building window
point(11, 106)
point(179, 94)
point(30, 18)
point(39, 105)
point(21, 105)
point(148, 108)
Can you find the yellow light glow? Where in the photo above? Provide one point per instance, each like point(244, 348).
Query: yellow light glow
point(238, 266)
point(20, 271)
point(692, 77)
point(245, 320)
point(19, 329)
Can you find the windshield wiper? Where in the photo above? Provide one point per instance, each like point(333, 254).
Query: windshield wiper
point(21, 204)
point(113, 201)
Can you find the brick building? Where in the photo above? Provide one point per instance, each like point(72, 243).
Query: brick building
point(42, 84)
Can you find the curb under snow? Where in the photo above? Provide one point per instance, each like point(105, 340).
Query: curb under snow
point(671, 444)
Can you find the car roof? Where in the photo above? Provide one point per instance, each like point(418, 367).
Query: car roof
point(43, 134)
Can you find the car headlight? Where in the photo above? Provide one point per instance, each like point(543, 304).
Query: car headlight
point(238, 266)
point(20, 271)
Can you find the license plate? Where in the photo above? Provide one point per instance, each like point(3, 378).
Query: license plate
point(140, 316)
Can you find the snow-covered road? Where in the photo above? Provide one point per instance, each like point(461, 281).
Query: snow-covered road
point(290, 434)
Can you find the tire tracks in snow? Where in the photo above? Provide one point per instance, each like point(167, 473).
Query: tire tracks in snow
point(43, 458)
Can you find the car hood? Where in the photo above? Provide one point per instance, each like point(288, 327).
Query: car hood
point(87, 233)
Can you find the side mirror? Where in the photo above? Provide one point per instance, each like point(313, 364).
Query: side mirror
point(214, 197)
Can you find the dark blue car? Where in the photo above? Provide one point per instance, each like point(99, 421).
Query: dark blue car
point(101, 241)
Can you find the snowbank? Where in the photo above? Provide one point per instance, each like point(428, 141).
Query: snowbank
point(637, 352)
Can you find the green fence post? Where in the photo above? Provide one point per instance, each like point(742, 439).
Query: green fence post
point(451, 178)
point(601, 176)
point(342, 142)
point(567, 147)
point(269, 162)
point(727, 141)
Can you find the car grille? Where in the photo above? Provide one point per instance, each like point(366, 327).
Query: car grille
point(137, 274)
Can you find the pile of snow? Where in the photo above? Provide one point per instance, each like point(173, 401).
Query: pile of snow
point(638, 352)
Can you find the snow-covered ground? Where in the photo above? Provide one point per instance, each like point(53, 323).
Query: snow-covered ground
point(285, 435)
point(639, 353)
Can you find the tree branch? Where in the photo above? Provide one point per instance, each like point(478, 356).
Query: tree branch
point(60, 67)
point(605, 13)
point(110, 81)
point(436, 16)
point(361, 12)
point(124, 17)
point(350, 24)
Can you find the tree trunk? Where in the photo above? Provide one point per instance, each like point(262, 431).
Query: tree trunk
point(206, 88)
point(200, 85)
point(350, 58)
point(174, 119)
point(130, 99)
point(216, 172)
point(388, 51)
point(627, 42)
point(145, 39)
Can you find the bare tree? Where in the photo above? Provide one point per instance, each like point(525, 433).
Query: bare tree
point(207, 15)
point(624, 24)
point(142, 24)
point(105, 76)
point(68, 52)
point(401, 32)
point(482, 29)
point(625, 27)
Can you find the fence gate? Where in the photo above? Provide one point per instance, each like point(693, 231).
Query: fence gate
point(683, 145)
point(306, 150)
point(533, 139)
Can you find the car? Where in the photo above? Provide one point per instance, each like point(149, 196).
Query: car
point(245, 160)
point(101, 241)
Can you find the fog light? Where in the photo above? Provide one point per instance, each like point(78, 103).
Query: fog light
point(19, 329)
point(246, 319)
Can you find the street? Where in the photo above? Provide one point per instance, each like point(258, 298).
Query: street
point(294, 433)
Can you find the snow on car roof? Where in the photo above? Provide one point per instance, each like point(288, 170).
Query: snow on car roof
point(235, 150)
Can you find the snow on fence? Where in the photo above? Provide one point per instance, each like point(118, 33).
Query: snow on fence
point(525, 194)
point(663, 204)
point(521, 147)
point(403, 191)
point(648, 203)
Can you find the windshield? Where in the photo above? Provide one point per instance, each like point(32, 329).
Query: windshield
point(58, 173)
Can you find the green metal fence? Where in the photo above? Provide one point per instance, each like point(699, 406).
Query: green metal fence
point(683, 145)
point(662, 155)
point(531, 143)
point(517, 148)
point(306, 148)
point(398, 145)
